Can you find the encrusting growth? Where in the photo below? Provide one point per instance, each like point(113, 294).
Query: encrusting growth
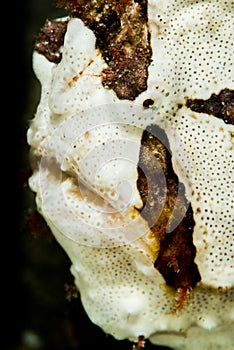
point(176, 255)
point(123, 39)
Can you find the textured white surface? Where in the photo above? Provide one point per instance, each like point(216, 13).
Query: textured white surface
point(84, 159)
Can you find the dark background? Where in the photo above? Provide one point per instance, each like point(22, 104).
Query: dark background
point(37, 311)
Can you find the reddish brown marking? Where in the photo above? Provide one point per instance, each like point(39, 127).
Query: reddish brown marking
point(76, 77)
point(174, 264)
point(160, 231)
point(71, 291)
point(181, 298)
point(90, 62)
point(140, 343)
point(86, 134)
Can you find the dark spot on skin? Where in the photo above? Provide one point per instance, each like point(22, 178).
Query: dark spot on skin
point(164, 201)
point(148, 102)
point(50, 40)
point(220, 106)
point(120, 27)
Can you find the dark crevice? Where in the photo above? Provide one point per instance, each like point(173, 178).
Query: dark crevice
point(167, 211)
point(220, 106)
point(122, 36)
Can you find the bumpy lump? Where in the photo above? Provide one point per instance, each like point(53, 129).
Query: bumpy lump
point(191, 62)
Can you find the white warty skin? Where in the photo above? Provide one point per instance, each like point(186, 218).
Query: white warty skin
point(89, 200)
